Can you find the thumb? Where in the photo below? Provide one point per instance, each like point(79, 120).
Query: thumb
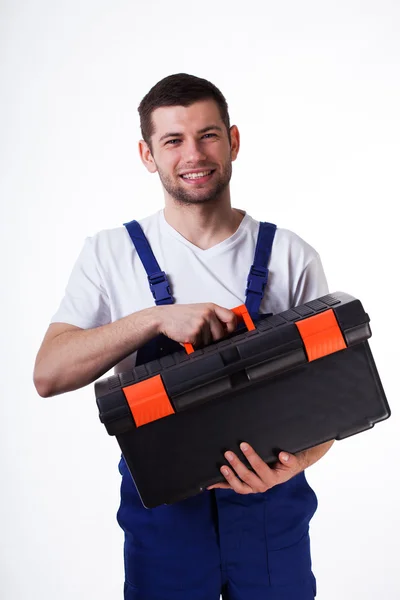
point(227, 317)
point(286, 459)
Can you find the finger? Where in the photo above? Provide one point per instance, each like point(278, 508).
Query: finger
point(226, 316)
point(287, 466)
point(222, 486)
point(206, 337)
point(216, 328)
point(235, 483)
point(253, 480)
point(288, 462)
point(202, 336)
point(255, 460)
point(285, 458)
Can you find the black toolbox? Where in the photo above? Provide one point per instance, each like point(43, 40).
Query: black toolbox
point(297, 379)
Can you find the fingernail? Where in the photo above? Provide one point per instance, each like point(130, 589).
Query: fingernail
point(229, 455)
point(225, 471)
point(285, 456)
point(244, 447)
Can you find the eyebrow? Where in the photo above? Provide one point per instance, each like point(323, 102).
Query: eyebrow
point(204, 130)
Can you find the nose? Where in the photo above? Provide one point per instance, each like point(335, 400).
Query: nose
point(193, 152)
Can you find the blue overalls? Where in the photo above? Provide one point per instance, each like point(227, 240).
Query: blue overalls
point(245, 547)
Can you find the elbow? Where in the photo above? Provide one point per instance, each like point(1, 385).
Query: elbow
point(43, 384)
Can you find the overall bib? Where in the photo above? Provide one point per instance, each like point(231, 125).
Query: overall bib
point(245, 547)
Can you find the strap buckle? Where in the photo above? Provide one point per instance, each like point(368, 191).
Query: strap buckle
point(257, 280)
point(159, 286)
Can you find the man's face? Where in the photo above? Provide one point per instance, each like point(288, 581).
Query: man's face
point(191, 151)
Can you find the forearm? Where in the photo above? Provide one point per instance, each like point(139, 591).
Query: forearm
point(312, 455)
point(76, 358)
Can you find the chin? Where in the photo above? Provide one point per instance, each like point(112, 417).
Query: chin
point(192, 201)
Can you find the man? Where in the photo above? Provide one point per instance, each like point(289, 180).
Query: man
point(247, 538)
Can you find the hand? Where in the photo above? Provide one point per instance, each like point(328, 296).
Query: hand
point(197, 324)
point(264, 477)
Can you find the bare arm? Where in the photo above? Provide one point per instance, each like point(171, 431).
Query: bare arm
point(70, 357)
point(312, 455)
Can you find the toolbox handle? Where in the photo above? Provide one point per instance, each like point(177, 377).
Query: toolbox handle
point(242, 314)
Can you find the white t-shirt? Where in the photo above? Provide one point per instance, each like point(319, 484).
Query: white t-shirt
point(109, 282)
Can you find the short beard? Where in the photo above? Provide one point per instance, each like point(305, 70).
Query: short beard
point(185, 197)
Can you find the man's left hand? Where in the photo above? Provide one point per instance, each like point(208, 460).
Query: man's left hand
point(244, 481)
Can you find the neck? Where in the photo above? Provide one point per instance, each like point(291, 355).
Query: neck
point(204, 225)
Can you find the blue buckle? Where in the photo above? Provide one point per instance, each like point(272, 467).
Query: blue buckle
point(159, 286)
point(257, 280)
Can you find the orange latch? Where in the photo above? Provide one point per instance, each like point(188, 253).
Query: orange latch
point(321, 335)
point(148, 400)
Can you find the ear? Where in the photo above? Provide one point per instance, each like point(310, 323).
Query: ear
point(147, 157)
point(235, 142)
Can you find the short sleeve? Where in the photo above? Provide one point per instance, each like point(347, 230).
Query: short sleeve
point(312, 283)
point(86, 302)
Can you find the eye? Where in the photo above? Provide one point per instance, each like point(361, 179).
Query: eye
point(172, 142)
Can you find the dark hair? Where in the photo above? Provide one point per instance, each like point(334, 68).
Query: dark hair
point(180, 89)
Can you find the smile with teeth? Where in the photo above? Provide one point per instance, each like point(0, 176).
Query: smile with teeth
point(196, 175)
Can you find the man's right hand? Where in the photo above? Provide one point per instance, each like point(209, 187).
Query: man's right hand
point(71, 357)
point(197, 324)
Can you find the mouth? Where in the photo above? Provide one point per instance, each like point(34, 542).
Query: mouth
point(201, 177)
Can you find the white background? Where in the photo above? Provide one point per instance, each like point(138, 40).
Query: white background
point(314, 88)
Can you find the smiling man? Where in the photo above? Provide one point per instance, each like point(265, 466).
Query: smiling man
point(216, 141)
point(140, 291)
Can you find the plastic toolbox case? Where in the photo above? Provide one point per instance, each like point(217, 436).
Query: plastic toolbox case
point(295, 380)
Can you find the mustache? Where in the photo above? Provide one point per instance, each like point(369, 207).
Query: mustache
point(183, 171)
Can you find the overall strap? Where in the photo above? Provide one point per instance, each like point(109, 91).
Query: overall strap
point(258, 275)
point(158, 281)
